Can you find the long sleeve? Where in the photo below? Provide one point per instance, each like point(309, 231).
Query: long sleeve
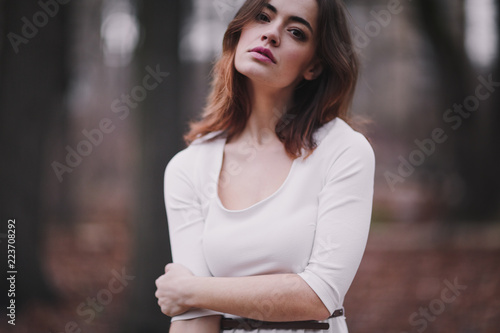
point(185, 221)
point(344, 213)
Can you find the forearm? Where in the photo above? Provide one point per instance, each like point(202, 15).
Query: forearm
point(208, 324)
point(279, 297)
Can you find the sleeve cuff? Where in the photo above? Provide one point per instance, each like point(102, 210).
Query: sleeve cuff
point(195, 313)
point(318, 286)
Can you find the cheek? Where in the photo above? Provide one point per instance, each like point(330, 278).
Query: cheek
point(243, 44)
point(248, 33)
point(297, 59)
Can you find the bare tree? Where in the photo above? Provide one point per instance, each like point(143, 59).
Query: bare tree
point(32, 84)
point(474, 146)
point(161, 134)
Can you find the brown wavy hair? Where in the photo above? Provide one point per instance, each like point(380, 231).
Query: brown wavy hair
point(315, 102)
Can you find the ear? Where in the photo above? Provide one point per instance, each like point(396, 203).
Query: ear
point(313, 71)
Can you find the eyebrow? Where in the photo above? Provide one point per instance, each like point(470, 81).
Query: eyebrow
point(292, 18)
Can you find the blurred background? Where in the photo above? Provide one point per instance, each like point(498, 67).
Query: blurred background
point(95, 96)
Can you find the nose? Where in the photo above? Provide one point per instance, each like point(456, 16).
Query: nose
point(271, 35)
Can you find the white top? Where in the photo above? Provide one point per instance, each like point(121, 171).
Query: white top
point(316, 224)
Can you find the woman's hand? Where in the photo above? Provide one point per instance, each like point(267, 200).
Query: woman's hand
point(172, 289)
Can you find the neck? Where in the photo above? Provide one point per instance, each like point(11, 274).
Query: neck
point(268, 105)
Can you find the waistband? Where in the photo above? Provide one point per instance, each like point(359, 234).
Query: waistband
point(252, 324)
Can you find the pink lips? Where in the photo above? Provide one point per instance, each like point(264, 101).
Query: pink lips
point(263, 54)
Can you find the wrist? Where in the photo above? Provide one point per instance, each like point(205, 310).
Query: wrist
point(192, 291)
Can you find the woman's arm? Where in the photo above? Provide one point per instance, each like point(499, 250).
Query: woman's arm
point(209, 324)
point(341, 233)
point(279, 297)
point(186, 220)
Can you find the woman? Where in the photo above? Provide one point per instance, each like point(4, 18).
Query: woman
point(269, 206)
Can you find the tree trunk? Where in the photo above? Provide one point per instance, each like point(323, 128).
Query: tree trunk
point(472, 144)
point(32, 83)
point(160, 132)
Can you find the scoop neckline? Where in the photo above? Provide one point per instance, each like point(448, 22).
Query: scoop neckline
point(258, 203)
point(320, 134)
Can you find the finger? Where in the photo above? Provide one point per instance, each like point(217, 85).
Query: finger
point(161, 304)
point(158, 282)
point(166, 311)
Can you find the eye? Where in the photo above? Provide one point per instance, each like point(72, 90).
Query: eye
point(299, 34)
point(263, 17)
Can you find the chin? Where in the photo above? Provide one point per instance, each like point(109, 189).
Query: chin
point(252, 72)
point(259, 74)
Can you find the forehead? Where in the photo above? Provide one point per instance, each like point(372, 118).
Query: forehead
point(306, 9)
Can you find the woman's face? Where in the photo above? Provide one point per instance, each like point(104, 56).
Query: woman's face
point(277, 48)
